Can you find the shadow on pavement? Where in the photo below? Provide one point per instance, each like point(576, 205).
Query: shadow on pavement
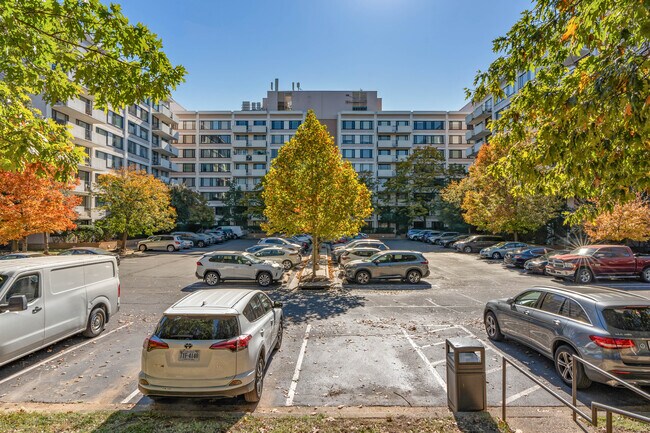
point(388, 286)
point(162, 416)
point(475, 422)
point(304, 306)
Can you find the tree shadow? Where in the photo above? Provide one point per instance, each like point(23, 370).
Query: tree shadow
point(305, 306)
point(388, 286)
point(618, 284)
point(196, 418)
point(252, 285)
point(476, 422)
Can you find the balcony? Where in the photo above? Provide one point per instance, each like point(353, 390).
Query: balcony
point(258, 143)
point(83, 213)
point(249, 158)
point(473, 151)
point(479, 132)
point(385, 143)
point(83, 187)
point(83, 136)
point(385, 129)
point(385, 158)
point(80, 110)
point(385, 173)
point(479, 114)
point(257, 172)
point(164, 164)
point(165, 147)
point(165, 131)
point(240, 172)
point(257, 129)
point(163, 112)
point(403, 143)
point(238, 129)
point(241, 143)
point(402, 129)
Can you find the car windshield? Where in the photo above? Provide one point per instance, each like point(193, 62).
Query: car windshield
point(499, 245)
point(252, 258)
point(197, 328)
point(583, 251)
point(3, 278)
point(627, 319)
point(373, 257)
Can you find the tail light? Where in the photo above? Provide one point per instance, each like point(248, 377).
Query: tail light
point(177, 243)
point(199, 264)
point(119, 290)
point(153, 343)
point(612, 343)
point(424, 262)
point(234, 344)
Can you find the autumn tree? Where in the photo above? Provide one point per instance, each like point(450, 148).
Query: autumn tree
point(191, 207)
point(580, 128)
point(627, 221)
point(30, 204)
point(135, 203)
point(59, 49)
point(311, 189)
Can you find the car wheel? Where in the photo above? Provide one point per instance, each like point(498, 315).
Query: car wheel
point(467, 249)
point(264, 279)
point(496, 255)
point(362, 277)
point(211, 278)
point(413, 276)
point(142, 247)
point(583, 276)
point(171, 248)
point(564, 367)
point(492, 327)
point(278, 340)
point(645, 275)
point(287, 265)
point(96, 322)
point(255, 395)
point(200, 244)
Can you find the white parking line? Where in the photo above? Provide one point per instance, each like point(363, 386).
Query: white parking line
point(442, 306)
point(433, 371)
point(130, 397)
point(296, 372)
point(60, 354)
point(521, 394)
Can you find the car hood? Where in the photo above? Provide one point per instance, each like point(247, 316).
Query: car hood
point(565, 257)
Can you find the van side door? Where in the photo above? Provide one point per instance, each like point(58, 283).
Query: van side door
point(22, 331)
point(66, 306)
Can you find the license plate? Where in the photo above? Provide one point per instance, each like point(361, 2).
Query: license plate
point(189, 355)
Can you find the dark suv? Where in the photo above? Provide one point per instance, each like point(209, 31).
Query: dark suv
point(410, 266)
point(477, 243)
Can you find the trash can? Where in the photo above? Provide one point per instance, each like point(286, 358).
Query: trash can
point(466, 387)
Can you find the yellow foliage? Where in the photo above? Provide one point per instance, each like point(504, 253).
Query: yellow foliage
point(571, 28)
point(630, 220)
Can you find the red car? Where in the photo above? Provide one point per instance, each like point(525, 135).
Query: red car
point(587, 263)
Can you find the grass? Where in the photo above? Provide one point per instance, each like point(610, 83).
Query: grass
point(624, 424)
point(153, 422)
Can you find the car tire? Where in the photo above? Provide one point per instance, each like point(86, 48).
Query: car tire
point(96, 322)
point(278, 340)
point(171, 248)
point(413, 276)
point(467, 249)
point(211, 278)
point(287, 265)
point(362, 277)
point(264, 279)
point(563, 366)
point(255, 395)
point(645, 275)
point(200, 244)
point(142, 247)
point(583, 276)
point(496, 255)
point(492, 328)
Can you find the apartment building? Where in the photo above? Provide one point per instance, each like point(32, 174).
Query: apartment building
point(139, 136)
point(217, 147)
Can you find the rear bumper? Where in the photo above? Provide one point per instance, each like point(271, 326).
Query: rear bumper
point(158, 387)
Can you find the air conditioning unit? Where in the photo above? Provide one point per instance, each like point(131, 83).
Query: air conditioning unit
point(395, 144)
point(249, 157)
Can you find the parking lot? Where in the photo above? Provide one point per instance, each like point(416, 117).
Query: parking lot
point(376, 345)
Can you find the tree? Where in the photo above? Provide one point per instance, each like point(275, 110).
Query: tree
point(629, 221)
point(191, 207)
point(580, 128)
point(489, 205)
point(135, 202)
point(253, 204)
point(449, 205)
point(234, 208)
point(59, 49)
point(311, 189)
point(411, 193)
point(32, 204)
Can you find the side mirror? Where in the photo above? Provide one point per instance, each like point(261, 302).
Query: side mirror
point(17, 303)
point(277, 304)
point(376, 262)
point(510, 301)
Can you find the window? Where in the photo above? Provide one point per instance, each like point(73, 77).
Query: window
point(215, 124)
point(347, 153)
point(27, 285)
point(264, 300)
point(383, 123)
point(401, 152)
point(572, 310)
point(620, 319)
point(59, 117)
point(347, 139)
point(509, 90)
point(259, 122)
point(188, 153)
point(383, 137)
point(187, 167)
point(274, 153)
point(383, 152)
point(365, 124)
point(277, 124)
point(455, 153)
point(523, 79)
point(143, 152)
point(552, 303)
point(366, 139)
point(294, 124)
point(197, 328)
point(215, 153)
point(115, 119)
point(132, 147)
point(428, 139)
point(455, 124)
point(188, 124)
point(133, 128)
point(429, 125)
point(402, 123)
point(210, 168)
point(277, 139)
point(456, 139)
point(188, 139)
point(241, 122)
point(348, 124)
point(383, 167)
point(365, 153)
point(144, 133)
point(214, 181)
point(364, 167)
point(187, 181)
point(528, 299)
point(259, 166)
point(402, 138)
point(215, 139)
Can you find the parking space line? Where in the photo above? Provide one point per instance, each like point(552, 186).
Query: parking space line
point(442, 306)
point(521, 394)
point(60, 354)
point(433, 371)
point(439, 343)
point(470, 298)
point(296, 372)
point(130, 396)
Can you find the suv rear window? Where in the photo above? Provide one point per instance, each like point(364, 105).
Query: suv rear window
point(627, 319)
point(197, 328)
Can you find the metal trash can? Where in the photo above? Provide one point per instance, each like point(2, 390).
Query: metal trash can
point(466, 386)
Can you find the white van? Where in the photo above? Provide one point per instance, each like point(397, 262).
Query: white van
point(46, 299)
point(237, 230)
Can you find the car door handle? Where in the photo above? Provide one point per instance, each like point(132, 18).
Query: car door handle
point(36, 310)
point(557, 322)
point(262, 333)
point(526, 312)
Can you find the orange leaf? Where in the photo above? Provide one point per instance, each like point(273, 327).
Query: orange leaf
point(628, 110)
point(571, 28)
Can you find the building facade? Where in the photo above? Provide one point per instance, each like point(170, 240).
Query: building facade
point(139, 136)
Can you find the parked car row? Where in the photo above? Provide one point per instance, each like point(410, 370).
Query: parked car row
point(177, 241)
point(75, 251)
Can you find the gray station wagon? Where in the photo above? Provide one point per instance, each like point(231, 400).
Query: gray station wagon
point(606, 327)
point(406, 265)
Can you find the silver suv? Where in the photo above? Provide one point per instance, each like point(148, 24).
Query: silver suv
point(605, 327)
point(170, 243)
point(407, 265)
point(232, 265)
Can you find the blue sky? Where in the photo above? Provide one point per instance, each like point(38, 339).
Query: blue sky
point(418, 54)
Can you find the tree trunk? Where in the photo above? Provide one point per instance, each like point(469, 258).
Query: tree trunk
point(46, 244)
point(14, 246)
point(315, 257)
point(124, 236)
point(25, 244)
point(516, 237)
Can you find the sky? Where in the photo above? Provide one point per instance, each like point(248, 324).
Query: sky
point(418, 54)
